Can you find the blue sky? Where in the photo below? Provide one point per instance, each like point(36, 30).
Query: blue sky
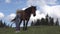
point(11, 7)
point(8, 8)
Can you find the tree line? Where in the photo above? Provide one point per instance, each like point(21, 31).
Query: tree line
point(46, 21)
point(3, 24)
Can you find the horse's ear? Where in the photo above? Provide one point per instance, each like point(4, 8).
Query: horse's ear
point(35, 7)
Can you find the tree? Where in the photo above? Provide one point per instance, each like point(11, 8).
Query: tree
point(1, 23)
point(38, 22)
point(57, 22)
point(4, 24)
point(51, 21)
point(47, 19)
point(43, 21)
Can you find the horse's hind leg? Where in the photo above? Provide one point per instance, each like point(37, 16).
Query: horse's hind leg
point(26, 25)
point(23, 24)
point(18, 25)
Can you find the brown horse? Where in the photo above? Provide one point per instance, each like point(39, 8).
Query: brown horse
point(24, 15)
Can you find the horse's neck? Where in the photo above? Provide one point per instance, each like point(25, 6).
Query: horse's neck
point(28, 14)
point(28, 11)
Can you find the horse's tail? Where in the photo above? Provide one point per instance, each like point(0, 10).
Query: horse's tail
point(17, 18)
point(13, 19)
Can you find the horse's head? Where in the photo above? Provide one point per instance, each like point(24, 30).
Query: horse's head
point(33, 10)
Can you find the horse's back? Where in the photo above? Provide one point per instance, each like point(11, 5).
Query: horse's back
point(21, 13)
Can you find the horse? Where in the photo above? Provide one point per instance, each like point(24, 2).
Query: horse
point(24, 15)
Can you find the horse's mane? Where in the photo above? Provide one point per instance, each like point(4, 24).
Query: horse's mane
point(29, 9)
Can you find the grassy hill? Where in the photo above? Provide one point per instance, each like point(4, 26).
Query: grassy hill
point(33, 30)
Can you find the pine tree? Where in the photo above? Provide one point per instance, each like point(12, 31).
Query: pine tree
point(46, 20)
point(43, 21)
point(51, 21)
point(1, 23)
point(57, 22)
point(4, 24)
point(37, 23)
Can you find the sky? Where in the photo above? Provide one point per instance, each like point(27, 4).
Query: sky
point(8, 9)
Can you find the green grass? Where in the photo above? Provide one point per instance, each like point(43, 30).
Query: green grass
point(33, 30)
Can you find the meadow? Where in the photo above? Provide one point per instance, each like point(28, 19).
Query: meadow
point(33, 30)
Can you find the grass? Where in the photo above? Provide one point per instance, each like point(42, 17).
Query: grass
point(33, 30)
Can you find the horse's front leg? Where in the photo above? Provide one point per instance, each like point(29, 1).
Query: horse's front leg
point(20, 23)
point(26, 25)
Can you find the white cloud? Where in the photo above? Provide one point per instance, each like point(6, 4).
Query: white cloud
point(41, 2)
point(38, 16)
point(36, 2)
point(23, 8)
point(11, 16)
point(51, 2)
point(7, 1)
point(8, 18)
point(1, 15)
point(52, 11)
